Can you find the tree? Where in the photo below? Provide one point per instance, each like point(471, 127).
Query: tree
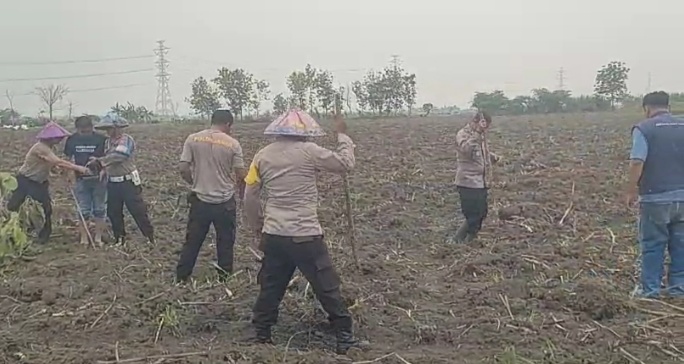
point(361, 92)
point(262, 93)
point(325, 91)
point(204, 98)
point(409, 91)
point(9, 116)
point(427, 108)
point(133, 113)
point(297, 83)
point(237, 88)
point(611, 82)
point(280, 104)
point(385, 92)
point(494, 102)
point(51, 95)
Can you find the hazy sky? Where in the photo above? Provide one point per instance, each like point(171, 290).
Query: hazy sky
point(454, 47)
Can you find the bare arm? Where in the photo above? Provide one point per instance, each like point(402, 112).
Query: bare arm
point(186, 162)
point(240, 175)
point(58, 162)
point(638, 155)
point(340, 161)
point(185, 172)
point(636, 168)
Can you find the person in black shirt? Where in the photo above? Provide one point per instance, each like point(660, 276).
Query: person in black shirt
point(91, 190)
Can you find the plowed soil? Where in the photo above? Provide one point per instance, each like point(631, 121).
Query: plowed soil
point(548, 281)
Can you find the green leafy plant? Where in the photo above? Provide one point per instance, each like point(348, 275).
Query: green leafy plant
point(14, 226)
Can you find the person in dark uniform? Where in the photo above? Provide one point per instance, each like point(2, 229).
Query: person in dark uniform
point(212, 163)
point(124, 186)
point(292, 238)
point(90, 190)
point(32, 178)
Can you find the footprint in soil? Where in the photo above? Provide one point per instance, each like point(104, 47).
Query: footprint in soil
point(49, 297)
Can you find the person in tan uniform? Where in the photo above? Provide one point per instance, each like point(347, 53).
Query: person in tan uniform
point(124, 185)
point(33, 175)
point(473, 174)
point(213, 164)
point(284, 174)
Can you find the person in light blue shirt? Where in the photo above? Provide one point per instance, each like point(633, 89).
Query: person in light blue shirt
point(656, 180)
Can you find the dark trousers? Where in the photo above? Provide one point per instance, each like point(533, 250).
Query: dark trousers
point(130, 195)
point(40, 192)
point(282, 255)
point(202, 215)
point(474, 207)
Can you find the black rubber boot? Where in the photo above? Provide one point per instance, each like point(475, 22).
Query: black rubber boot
point(263, 336)
point(461, 233)
point(469, 238)
point(44, 233)
point(346, 341)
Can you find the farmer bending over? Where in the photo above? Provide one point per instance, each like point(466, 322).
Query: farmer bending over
point(473, 174)
point(90, 190)
point(656, 179)
point(292, 237)
point(208, 161)
point(123, 180)
point(32, 178)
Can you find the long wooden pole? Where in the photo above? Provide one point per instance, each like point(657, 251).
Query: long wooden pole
point(351, 230)
point(82, 219)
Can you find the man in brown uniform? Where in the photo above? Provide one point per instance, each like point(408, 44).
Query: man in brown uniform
point(473, 174)
point(292, 237)
point(32, 178)
point(212, 163)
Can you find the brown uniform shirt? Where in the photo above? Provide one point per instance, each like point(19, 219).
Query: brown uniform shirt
point(35, 167)
point(474, 159)
point(119, 155)
point(213, 157)
point(284, 175)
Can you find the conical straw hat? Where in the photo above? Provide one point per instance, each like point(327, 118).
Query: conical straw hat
point(52, 130)
point(295, 123)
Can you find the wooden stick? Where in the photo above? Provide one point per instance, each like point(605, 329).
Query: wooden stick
point(351, 233)
point(82, 219)
point(151, 357)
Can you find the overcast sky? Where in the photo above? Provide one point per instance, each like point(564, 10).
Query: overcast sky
point(454, 47)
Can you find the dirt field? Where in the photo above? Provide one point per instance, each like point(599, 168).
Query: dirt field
point(548, 281)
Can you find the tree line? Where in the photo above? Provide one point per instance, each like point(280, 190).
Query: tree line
point(610, 91)
point(384, 92)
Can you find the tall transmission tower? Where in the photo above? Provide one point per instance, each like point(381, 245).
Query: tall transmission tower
point(561, 79)
point(164, 104)
point(396, 62)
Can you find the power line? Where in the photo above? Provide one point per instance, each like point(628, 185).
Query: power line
point(93, 89)
point(269, 69)
point(72, 61)
point(164, 104)
point(75, 76)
